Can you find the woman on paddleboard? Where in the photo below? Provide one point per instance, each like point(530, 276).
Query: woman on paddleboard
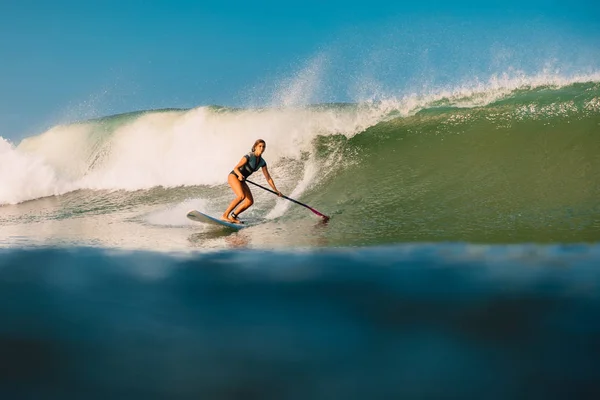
point(249, 164)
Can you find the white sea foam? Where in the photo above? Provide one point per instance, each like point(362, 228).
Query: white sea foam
point(27, 176)
point(176, 215)
point(195, 147)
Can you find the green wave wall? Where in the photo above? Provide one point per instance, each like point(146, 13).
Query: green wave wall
point(524, 169)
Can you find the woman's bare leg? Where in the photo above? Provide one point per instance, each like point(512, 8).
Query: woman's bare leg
point(248, 199)
point(238, 189)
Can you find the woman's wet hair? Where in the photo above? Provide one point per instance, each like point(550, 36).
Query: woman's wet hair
point(259, 141)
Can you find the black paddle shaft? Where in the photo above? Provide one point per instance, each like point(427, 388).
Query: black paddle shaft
point(290, 199)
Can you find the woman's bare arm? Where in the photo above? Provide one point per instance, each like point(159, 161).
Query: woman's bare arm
point(269, 179)
point(239, 165)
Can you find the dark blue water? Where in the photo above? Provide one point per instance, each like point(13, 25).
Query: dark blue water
point(445, 321)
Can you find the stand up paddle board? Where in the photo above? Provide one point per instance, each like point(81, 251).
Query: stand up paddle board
point(197, 216)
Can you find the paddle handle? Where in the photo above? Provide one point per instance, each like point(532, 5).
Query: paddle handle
point(290, 199)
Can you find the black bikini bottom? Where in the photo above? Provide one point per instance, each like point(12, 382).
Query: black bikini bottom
point(234, 174)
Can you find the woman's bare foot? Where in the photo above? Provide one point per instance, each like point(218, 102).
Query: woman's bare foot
point(234, 218)
point(231, 219)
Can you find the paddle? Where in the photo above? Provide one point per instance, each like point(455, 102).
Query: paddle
point(325, 217)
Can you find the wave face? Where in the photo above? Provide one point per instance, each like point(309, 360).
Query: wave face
point(503, 162)
point(522, 168)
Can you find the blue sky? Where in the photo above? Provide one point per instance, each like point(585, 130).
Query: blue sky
point(63, 60)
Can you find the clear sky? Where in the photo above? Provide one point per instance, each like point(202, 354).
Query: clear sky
point(67, 60)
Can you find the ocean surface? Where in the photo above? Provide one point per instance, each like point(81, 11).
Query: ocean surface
point(461, 259)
